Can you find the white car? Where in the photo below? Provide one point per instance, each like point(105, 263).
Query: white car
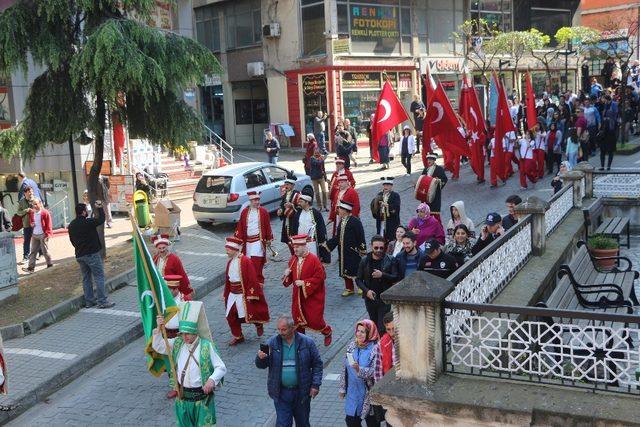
point(221, 194)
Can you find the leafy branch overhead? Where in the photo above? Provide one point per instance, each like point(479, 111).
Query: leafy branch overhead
point(91, 52)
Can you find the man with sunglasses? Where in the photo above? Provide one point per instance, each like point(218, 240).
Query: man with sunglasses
point(377, 272)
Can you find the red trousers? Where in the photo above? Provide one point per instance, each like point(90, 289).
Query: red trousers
point(527, 169)
point(493, 177)
point(235, 322)
point(538, 155)
point(456, 166)
point(258, 265)
point(508, 159)
point(326, 330)
point(348, 283)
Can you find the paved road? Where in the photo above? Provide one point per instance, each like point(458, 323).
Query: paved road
point(119, 390)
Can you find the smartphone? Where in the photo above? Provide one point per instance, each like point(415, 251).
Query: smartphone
point(264, 348)
point(350, 359)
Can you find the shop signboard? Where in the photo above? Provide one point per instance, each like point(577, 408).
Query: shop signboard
point(342, 46)
point(59, 185)
point(314, 84)
point(441, 65)
point(121, 192)
point(105, 170)
point(378, 24)
point(360, 80)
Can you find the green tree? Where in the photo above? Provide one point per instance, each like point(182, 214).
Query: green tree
point(97, 62)
point(482, 55)
point(520, 43)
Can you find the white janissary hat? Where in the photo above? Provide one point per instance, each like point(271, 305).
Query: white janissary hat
point(290, 180)
point(306, 197)
point(160, 239)
point(345, 205)
point(387, 180)
point(193, 319)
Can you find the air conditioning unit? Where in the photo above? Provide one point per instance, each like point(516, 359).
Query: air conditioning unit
point(271, 31)
point(255, 69)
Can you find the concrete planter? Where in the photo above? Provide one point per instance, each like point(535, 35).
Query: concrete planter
point(605, 264)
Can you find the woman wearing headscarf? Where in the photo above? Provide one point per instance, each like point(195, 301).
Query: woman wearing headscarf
point(556, 182)
point(362, 368)
point(553, 142)
point(549, 117)
point(425, 226)
point(460, 245)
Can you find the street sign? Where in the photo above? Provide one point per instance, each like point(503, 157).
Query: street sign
point(59, 185)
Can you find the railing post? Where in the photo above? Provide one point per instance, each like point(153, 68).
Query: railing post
point(537, 208)
point(419, 319)
point(575, 178)
point(587, 169)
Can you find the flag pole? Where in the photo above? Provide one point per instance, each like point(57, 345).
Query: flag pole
point(163, 331)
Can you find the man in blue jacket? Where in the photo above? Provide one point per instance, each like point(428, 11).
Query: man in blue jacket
point(295, 373)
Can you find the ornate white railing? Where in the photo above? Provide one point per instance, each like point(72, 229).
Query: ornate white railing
point(619, 184)
point(486, 274)
point(578, 350)
point(559, 206)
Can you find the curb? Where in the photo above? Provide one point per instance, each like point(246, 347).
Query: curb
point(628, 151)
point(61, 310)
point(88, 361)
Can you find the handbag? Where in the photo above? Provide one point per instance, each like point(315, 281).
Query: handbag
point(16, 222)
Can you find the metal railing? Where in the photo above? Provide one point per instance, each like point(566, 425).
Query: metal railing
point(224, 148)
point(617, 183)
point(584, 349)
point(559, 206)
point(157, 191)
point(60, 212)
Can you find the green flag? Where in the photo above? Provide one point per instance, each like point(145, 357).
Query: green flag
point(154, 297)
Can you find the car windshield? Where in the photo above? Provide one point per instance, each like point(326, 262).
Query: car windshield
point(214, 185)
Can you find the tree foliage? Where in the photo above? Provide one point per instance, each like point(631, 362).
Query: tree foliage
point(483, 56)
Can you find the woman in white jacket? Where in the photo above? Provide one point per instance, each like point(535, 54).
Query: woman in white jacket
point(458, 216)
point(407, 148)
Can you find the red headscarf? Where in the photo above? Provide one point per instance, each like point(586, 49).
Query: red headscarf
point(371, 329)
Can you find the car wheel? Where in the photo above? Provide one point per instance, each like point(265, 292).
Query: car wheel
point(204, 224)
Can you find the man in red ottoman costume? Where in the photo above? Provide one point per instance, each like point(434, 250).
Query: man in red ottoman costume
point(169, 264)
point(254, 229)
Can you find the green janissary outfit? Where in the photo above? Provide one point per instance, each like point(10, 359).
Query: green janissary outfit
point(195, 363)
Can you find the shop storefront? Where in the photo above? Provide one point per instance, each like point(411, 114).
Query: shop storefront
point(342, 92)
point(447, 71)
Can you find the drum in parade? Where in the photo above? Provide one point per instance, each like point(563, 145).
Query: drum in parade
point(426, 188)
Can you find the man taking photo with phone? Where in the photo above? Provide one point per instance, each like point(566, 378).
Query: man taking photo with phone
point(295, 372)
point(377, 272)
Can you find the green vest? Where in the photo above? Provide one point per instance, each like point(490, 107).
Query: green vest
point(206, 367)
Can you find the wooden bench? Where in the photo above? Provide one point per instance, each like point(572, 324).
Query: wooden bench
point(607, 226)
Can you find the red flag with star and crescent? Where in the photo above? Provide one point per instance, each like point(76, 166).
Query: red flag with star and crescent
point(441, 120)
point(389, 113)
point(471, 113)
point(504, 124)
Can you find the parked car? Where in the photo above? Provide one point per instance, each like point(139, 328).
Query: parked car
point(222, 193)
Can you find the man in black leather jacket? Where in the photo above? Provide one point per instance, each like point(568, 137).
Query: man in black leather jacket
point(377, 272)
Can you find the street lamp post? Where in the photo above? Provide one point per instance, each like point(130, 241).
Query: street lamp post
point(566, 54)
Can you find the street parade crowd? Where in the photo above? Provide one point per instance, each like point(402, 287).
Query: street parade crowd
point(531, 137)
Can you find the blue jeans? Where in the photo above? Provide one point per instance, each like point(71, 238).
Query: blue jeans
point(289, 407)
point(321, 144)
point(91, 265)
point(273, 160)
point(573, 159)
point(26, 246)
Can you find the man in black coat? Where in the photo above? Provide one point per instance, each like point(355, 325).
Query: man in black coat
point(377, 272)
point(349, 240)
point(435, 171)
point(308, 220)
point(287, 209)
point(385, 208)
point(435, 261)
point(489, 232)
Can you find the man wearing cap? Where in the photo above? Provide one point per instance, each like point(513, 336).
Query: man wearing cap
point(254, 229)
point(489, 232)
point(385, 208)
point(435, 261)
point(334, 187)
point(287, 208)
point(199, 369)
point(348, 194)
point(243, 294)
point(308, 220)
point(306, 273)
point(350, 243)
point(170, 264)
point(435, 171)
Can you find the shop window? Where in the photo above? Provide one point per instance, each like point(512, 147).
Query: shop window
point(313, 29)
point(243, 24)
point(343, 18)
point(496, 12)
point(208, 27)
point(250, 112)
point(549, 21)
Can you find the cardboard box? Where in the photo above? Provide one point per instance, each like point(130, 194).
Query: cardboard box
point(167, 214)
point(170, 231)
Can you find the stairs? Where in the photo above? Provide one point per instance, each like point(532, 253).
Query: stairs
point(182, 182)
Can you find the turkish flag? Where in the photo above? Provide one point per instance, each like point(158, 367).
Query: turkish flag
point(471, 113)
point(504, 124)
point(532, 119)
point(441, 119)
point(389, 113)
point(118, 138)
